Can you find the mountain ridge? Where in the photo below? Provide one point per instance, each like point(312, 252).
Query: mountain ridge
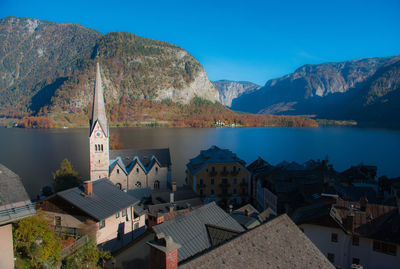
point(349, 90)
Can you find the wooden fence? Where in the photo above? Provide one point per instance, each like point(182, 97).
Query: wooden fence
point(74, 246)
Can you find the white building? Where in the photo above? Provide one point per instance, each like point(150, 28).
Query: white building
point(353, 232)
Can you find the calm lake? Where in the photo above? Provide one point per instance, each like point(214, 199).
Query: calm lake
point(34, 154)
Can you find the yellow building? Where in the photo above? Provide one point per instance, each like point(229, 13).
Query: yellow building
point(219, 175)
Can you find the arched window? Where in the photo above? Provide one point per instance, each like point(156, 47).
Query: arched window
point(101, 147)
point(156, 184)
point(138, 184)
point(137, 170)
point(117, 171)
point(119, 186)
point(95, 147)
point(156, 169)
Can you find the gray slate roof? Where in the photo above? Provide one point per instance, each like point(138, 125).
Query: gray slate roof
point(276, 244)
point(190, 230)
point(145, 156)
point(212, 155)
point(14, 200)
point(106, 200)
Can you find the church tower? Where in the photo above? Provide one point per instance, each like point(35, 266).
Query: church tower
point(98, 133)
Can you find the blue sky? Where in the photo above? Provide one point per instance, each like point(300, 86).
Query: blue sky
point(240, 40)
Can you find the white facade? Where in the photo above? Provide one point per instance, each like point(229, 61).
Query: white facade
point(344, 251)
point(265, 198)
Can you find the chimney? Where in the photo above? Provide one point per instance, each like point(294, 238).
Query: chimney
point(88, 187)
point(363, 203)
point(173, 186)
point(246, 212)
point(349, 220)
point(163, 252)
point(171, 198)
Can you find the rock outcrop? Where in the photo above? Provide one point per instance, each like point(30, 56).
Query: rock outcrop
point(230, 90)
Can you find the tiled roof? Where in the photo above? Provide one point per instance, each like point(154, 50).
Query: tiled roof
point(178, 205)
point(14, 201)
point(190, 230)
point(379, 222)
point(275, 244)
point(106, 200)
point(145, 157)
point(212, 155)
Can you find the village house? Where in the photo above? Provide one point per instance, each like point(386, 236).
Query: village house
point(274, 244)
point(168, 204)
point(353, 233)
point(14, 205)
point(195, 232)
point(128, 169)
point(287, 186)
point(99, 209)
point(219, 175)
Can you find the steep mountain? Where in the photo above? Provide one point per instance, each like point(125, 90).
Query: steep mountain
point(47, 73)
point(365, 90)
point(49, 66)
point(229, 90)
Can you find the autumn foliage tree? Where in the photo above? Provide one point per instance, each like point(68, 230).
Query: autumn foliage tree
point(36, 242)
point(66, 177)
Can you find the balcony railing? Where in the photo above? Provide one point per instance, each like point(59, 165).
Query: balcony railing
point(225, 194)
point(234, 172)
point(224, 173)
point(212, 173)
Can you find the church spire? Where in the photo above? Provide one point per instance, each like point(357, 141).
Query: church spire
point(99, 111)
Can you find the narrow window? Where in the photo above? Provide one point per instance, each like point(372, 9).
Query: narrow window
point(137, 170)
point(156, 169)
point(212, 191)
point(117, 215)
point(356, 240)
point(95, 147)
point(201, 181)
point(124, 212)
point(334, 237)
point(57, 220)
point(102, 224)
point(117, 171)
point(102, 147)
point(331, 257)
point(212, 181)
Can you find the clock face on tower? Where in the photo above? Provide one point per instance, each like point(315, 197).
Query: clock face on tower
point(98, 134)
